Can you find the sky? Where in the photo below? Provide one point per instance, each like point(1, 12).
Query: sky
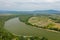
point(29, 5)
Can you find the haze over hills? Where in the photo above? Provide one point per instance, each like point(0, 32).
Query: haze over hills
point(35, 11)
point(47, 11)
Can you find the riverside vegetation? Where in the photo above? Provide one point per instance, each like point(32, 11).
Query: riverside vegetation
point(6, 35)
point(50, 22)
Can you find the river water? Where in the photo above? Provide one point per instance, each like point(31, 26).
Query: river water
point(16, 26)
point(19, 28)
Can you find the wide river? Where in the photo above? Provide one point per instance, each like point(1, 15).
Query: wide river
point(19, 28)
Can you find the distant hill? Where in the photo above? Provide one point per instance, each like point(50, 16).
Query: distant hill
point(15, 12)
point(47, 11)
point(30, 12)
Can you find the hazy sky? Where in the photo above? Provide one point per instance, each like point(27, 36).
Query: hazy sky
point(29, 4)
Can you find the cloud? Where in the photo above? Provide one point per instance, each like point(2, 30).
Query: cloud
point(29, 4)
point(45, 1)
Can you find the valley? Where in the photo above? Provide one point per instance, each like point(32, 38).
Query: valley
point(17, 26)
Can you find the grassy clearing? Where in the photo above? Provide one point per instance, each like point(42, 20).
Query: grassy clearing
point(44, 22)
point(39, 21)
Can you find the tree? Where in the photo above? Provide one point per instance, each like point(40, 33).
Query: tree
point(43, 38)
point(21, 38)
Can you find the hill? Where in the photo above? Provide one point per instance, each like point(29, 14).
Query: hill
point(47, 11)
point(30, 12)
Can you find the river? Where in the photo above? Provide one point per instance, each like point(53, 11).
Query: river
point(19, 28)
